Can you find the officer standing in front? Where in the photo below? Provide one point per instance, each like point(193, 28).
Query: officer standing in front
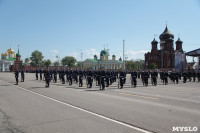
point(22, 75)
point(16, 76)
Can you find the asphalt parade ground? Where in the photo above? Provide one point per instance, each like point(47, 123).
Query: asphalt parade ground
point(29, 107)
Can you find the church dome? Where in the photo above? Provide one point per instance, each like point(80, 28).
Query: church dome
point(18, 54)
point(104, 52)
point(6, 54)
point(10, 51)
point(179, 41)
point(166, 35)
point(154, 41)
point(3, 54)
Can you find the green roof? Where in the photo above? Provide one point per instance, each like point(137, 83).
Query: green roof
point(18, 54)
point(10, 59)
point(93, 60)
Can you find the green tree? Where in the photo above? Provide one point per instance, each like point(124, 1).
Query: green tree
point(47, 63)
point(79, 64)
point(152, 66)
point(36, 58)
point(130, 65)
point(68, 61)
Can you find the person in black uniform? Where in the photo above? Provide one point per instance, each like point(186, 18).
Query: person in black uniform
point(80, 73)
point(194, 75)
point(16, 76)
point(184, 77)
point(121, 78)
point(198, 75)
point(63, 76)
point(90, 78)
point(55, 72)
point(22, 75)
point(47, 78)
point(41, 74)
point(98, 75)
point(36, 74)
point(146, 77)
point(102, 79)
point(107, 78)
point(134, 75)
point(70, 76)
point(154, 77)
point(177, 77)
point(165, 77)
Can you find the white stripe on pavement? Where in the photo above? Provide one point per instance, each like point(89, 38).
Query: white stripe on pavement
point(98, 115)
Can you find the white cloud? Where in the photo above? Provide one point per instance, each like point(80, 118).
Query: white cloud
point(131, 54)
point(55, 53)
point(89, 53)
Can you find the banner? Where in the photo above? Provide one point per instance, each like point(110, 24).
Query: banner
point(179, 61)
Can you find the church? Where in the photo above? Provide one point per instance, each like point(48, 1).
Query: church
point(7, 59)
point(104, 61)
point(10, 61)
point(166, 57)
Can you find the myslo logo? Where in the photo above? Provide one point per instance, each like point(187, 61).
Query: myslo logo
point(184, 129)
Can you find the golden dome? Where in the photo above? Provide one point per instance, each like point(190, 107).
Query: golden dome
point(10, 51)
point(6, 54)
point(2, 54)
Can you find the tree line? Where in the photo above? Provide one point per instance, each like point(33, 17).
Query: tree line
point(37, 60)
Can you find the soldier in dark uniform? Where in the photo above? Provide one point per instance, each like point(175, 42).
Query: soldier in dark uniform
point(16, 76)
point(89, 78)
point(107, 78)
point(134, 75)
point(75, 75)
point(154, 77)
point(22, 75)
point(63, 76)
point(80, 73)
point(41, 74)
point(55, 75)
point(198, 75)
point(189, 75)
point(165, 77)
point(70, 76)
point(121, 78)
point(193, 75)
point(184, 77)
point(146, 77)
point(102, 79)
point(177, 77)
point(36, 74)
point(47, 78)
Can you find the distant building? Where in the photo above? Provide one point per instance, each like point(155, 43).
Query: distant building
point(18, 64)
point(103, 62)
point(165, 57)
point(7, 59)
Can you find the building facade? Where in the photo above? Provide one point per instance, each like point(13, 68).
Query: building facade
point(103, 62)
point(7, 60)
point(165, 57)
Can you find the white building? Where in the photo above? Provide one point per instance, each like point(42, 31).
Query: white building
point(7, 59)
point(104, 62)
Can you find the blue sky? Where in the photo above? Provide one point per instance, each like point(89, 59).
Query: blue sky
point(69, 27)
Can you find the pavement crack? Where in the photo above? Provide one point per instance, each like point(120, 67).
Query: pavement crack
point(6, 126)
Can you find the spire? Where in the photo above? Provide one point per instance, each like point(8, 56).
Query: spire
point(18, 48)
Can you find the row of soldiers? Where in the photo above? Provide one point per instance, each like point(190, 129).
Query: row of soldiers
point(104, 78)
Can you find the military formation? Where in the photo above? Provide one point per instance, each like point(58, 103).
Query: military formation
point(104, 78)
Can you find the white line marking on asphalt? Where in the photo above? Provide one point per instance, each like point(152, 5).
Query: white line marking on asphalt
point(98, 115)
